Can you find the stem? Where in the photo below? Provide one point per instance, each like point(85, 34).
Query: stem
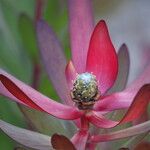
point(38, 9)
point(84, 123)
point(91, 146)
point(36, 75)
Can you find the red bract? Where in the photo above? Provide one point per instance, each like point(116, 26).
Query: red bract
point(102, 58)
point(93, 53)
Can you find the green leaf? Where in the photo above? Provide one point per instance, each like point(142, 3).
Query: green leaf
point(27, 32)
point(5, 142)
point(44, 123)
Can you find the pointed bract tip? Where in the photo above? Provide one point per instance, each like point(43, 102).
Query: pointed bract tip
point(69, 64)
point(102, 23)
point(124, 50)
point(124, 47)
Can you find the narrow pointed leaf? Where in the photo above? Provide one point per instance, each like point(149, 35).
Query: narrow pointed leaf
point(100, 121)
point(60, 142)
point(125, 98)
point(71, 74)
point(81, 27)
point(143, 118)
point(139, 105)
point(32, 98)
point(137, 108)
point(102, 58)
point(53, 59)
point(123, 70)
point(115, 101)
point(36, 120)
point(80, 139)
point(131, 131)
point(25, 137)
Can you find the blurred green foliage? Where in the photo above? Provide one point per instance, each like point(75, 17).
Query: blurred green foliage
point(27, 33)
point(19, 51)
point(11, 56)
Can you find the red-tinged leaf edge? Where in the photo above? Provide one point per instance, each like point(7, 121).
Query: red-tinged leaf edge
point(12, 88)
point(139, 104)
point(70, 73)
point(36, 100)
point(60, 142)
point(143, 146)
point(136, 110)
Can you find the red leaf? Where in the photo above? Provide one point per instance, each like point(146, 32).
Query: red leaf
point(102, 58)
point(139, 104)
point(71, 74)
point(22, 93)
point(12, 88)
point(143, 146)
point(60, 142)
point(136, 109)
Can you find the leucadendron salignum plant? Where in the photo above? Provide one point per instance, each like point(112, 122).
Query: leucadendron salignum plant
point(83, 85)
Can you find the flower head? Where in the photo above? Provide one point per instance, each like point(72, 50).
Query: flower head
point(85, 90)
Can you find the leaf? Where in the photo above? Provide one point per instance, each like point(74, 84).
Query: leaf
point(81, 25)
point(143, 146)
point(26, 95)
point(44, 123)
point(123, 70)
point(25, 137)
point(27, 32)
point(53, 59)
point(60, 142)
point(102, 59)
point(131, 131)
